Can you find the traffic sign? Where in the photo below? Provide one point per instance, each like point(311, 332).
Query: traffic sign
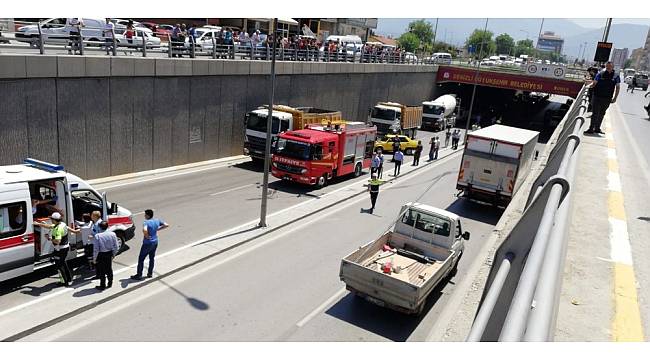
point(603, 49)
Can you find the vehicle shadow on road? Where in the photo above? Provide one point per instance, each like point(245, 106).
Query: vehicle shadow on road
point(384, 322)
point(484, 213)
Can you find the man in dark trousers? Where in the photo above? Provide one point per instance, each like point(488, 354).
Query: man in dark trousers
point(105, 247)
point(606, 86)
point(150, 230)
point(373, 188)
point(59, 238)
point(399, 158)
point(416, 155)
point(396, 146)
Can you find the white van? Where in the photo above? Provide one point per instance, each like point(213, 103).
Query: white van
point(57, 31)
point(24, 247)
point(441, 58)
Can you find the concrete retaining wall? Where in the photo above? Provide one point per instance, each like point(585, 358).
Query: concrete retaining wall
point(103, 116)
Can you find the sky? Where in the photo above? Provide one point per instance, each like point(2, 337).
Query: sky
point(598, 23)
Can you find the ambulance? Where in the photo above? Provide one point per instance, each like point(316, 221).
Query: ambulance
point(30, 193)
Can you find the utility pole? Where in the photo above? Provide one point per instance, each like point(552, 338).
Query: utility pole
point(608, 25)
point(540, 30)
point(269, 122)
point(435, 32)
point(478, 71)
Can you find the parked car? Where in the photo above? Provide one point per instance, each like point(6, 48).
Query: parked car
point(406, 144)
point(57, 31)
point(140, 32)
point(410, 58)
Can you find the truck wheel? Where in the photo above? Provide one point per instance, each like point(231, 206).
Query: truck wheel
point(357, 170)
point(409, 151)
point(257, 161)
point(321, 182)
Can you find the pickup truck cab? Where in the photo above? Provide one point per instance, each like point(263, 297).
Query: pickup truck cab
point(401, 268)
point(30, 193)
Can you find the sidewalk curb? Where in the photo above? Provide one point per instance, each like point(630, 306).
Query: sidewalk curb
point(235, 159)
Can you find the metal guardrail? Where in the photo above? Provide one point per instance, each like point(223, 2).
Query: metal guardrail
point(112, 45)
point(521, 296)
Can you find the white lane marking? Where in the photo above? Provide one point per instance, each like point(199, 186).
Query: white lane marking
point(614, 182)
point(220, 234)
point(611, 154)
point(641, 161)
point(320, 308)
point(233, 189)
point(621, 251)
point(154, 177)
point(36, 301)
point(609, 136)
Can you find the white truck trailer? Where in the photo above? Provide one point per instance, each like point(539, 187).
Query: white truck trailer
point(495, 162)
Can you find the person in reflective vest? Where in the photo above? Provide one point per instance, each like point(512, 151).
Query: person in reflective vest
point(59, 238)
point(373, 188)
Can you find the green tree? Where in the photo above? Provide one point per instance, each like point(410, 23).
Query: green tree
point(423, 30)
point(479, 37)
point(440, 46)
point(524, 47)
point(505, 44)
point(409, 42)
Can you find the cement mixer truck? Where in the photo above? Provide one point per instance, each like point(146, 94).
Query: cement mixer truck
point(439, 114)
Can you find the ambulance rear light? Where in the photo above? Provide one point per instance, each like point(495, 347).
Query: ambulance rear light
point(43, 165)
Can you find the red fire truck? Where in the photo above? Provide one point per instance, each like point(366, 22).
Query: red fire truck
point(318, 153)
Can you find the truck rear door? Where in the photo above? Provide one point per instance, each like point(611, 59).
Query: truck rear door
point(16, 234)
point(490, 165)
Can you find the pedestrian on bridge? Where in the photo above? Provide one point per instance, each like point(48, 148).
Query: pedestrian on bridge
point(606, 84)
point(150, 230)
point(105, 247)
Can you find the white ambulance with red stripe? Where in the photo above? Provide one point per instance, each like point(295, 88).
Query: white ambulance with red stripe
point(31, 192)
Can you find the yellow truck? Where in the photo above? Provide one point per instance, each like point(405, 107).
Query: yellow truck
point(395, 118)
point(285, 118)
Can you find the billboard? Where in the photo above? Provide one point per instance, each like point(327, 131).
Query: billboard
point(509, 81)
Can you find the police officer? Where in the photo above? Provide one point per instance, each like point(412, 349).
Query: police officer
point(373, 188)
point(59, 238)
point(606, 84)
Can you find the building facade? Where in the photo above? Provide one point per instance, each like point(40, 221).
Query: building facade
point(619, 57)
point(549, 41)
point(644, 58)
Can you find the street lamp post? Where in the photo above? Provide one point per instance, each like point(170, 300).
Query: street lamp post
point(478, 71)
point(269, 122)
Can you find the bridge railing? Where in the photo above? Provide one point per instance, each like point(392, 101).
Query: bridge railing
point(521, 296)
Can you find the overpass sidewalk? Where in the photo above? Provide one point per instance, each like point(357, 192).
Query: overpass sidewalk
point(601, 298)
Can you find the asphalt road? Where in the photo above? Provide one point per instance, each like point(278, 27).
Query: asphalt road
point(631, 132)
point(285, 287)
point(196, 204)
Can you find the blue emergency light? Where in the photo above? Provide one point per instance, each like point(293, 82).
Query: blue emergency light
point(43, 165)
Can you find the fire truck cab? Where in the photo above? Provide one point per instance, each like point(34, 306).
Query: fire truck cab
point(30, 193)
point(318, 153)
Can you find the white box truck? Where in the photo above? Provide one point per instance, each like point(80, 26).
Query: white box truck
point(495, 161)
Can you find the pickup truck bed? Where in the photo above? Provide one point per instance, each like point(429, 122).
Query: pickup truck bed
point(405, 291)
